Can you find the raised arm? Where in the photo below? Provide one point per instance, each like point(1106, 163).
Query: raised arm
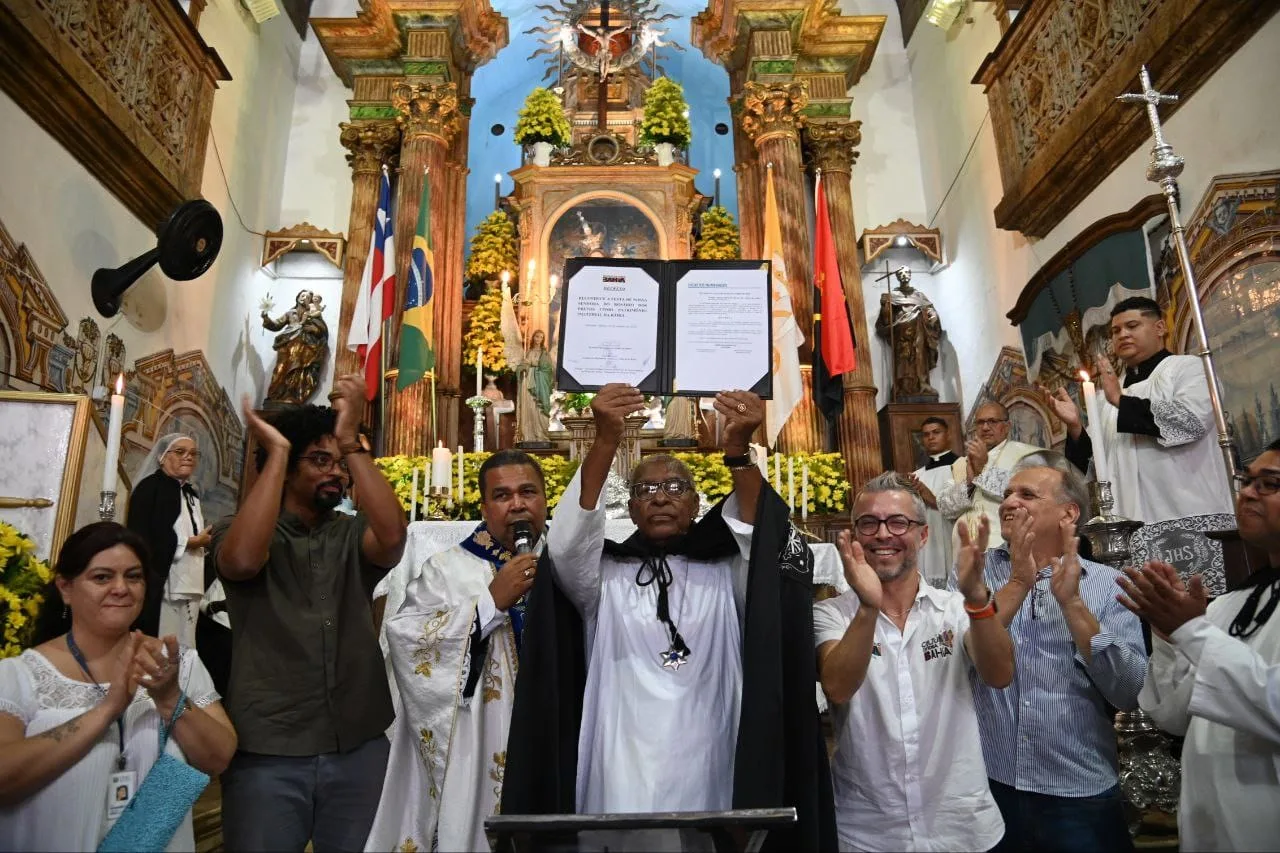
point(384, 538)
point(987, 641)
point(242, 551)
point(743, 412)
point(842, 663)
point(610, 408)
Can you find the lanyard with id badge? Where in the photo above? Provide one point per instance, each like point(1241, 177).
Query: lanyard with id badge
point(123, 782)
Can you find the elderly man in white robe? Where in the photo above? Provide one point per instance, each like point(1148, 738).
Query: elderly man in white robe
point(930, 479)
point(454, 646)
point(979, 478)
point(1215, 678)
point(1157, 436)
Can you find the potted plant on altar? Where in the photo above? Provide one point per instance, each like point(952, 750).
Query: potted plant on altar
point(542, 124)
point(720, 240)
point(484, 332)
point(665, 124)
point(493, 249)
point(23, 581)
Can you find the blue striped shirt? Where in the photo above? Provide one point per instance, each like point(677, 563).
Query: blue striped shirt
point(1051, 731)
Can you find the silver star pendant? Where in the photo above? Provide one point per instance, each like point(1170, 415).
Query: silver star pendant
point(673, 658)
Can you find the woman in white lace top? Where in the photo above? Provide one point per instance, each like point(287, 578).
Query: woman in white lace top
point(80, 712)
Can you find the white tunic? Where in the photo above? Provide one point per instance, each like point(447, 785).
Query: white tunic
point(955, 503)
point(70, 812)
point(1181, 473)
point(653, 739)
point(908, 771)
point(935, 556)
point(1223, 693)
point(448, 752)
point(184, 585)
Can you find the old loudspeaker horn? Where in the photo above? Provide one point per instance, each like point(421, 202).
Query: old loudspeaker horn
point(187, 246)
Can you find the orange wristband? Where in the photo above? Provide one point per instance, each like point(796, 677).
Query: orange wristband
point(984, 612)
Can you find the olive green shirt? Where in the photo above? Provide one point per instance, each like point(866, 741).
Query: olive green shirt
point(307, 675)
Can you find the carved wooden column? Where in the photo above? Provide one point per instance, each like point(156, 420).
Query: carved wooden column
point(369, 144)
point(750, 186)
point(830, 147)
point(429, 118)
point(772, 118)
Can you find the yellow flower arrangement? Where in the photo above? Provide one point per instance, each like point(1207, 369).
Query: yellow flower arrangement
point(542, 119)
point(23, 580)
point(558, 471)
point(828, 486)
point(665, 114)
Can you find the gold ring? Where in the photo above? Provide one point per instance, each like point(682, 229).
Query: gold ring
point(334, 395)
point(742, 408)
point(528, 573)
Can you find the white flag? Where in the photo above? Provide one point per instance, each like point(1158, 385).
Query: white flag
point(787, 338)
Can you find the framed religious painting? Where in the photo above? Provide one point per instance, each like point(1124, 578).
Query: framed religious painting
point(55, 449)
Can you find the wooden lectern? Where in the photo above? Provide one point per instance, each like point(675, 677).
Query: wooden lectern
point(735, 831)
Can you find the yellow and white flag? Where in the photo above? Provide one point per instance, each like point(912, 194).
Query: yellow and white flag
point(787, 338)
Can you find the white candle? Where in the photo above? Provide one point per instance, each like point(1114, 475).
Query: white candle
point(461, 456)
point(777, 473)
point(1090, 395)
point(804, 493)
point(413, 496)
point(791, 482)
point(762, 459)
point(441, 467)
point(479, 369)
point(115, 424)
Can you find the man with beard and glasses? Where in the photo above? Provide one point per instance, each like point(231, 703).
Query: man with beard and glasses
point(695, 692)
point(308, 691)
point(894, 655)
point(1215, 678)
point(472, 600)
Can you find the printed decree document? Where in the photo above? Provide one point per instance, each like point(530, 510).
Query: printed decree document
point(611, 326)
point(721, 329)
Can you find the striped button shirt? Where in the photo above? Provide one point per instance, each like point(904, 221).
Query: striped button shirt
point(1051, 730)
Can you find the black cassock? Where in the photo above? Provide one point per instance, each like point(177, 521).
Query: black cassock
point(781, 756)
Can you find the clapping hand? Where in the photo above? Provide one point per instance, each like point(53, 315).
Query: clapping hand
point(926, 493)
point(976, 453)
point(971, 561)
point(861, 577)
point(347, 399)
point(1156, 593)
point(155, 663)
point(266, 434)
point(1109, 382)
point(1065, 408)
point(1065, 581)
point(1022, 540)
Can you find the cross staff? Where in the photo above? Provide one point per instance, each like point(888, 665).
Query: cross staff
point(1164, 168)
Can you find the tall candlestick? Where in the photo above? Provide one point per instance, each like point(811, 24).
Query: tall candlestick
point(115, 424)
point(791, 483)
point(804, 493)
point(413, 496)
point(479, 369)
point(1094, 427)
point(441, 467)
point(497, 191)
point(461, 456)
point(777, 473)
point(716, 198)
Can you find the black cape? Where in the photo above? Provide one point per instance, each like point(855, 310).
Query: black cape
point(781, 757)
point(153, 510)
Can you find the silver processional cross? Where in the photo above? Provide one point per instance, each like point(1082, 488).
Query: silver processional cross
point(1164, 168)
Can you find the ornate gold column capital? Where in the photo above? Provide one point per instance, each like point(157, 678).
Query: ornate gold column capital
point(773, 110)
point(427, 109)
point(829, 146)
point(369, 144)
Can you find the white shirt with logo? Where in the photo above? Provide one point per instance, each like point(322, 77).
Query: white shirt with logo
point(908, 770)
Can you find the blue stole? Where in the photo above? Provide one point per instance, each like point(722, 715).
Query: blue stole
point(482, 544)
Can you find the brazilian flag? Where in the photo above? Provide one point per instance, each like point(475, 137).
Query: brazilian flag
point(416, 356)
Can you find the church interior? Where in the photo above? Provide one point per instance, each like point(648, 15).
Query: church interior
point(215, 174)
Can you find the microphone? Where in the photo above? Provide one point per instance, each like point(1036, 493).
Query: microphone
point(522, 531)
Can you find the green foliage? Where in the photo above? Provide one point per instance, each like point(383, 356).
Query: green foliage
point(558, 471)
point(542, 119)
point(578, 403)
point(719, 240)
point(664, 114)
point(484, 329)
point(493, 248)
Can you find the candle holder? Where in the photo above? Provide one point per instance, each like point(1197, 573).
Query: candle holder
point(436, 498)
point(106, 506)
point(478, 404)
point(1108, 533)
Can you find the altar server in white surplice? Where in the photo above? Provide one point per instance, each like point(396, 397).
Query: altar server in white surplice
point(454, 646)
point(1215, 677)
point(979, 478)
point(930, 480)
point(1157, 430)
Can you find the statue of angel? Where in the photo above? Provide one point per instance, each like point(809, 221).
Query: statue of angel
point(535, 374)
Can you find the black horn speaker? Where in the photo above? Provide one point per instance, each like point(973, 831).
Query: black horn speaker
point(186, 247)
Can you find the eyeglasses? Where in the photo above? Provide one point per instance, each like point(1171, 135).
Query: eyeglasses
point(674, 487)
point(990, 421)
point(325, 462)
point(184, 454)
point(869, 525)
point(1264, 484)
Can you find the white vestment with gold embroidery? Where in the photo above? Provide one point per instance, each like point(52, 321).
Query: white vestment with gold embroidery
point(448, 752)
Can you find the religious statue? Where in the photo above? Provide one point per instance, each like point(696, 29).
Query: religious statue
point(535, 372)
point(302, 346)
point(683, 419)
point(911, 324)
point(592, 241)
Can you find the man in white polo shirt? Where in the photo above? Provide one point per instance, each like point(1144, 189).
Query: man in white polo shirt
point(894, 656)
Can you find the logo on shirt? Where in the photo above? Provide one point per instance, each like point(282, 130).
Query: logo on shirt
point(875, 650)
point(940, 646)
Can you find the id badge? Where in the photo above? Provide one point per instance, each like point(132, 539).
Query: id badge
point(120, 791)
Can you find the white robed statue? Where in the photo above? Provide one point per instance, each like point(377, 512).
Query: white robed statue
point(453, 646)
point(535, 373)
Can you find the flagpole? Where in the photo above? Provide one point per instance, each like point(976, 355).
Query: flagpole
point(382, 386)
